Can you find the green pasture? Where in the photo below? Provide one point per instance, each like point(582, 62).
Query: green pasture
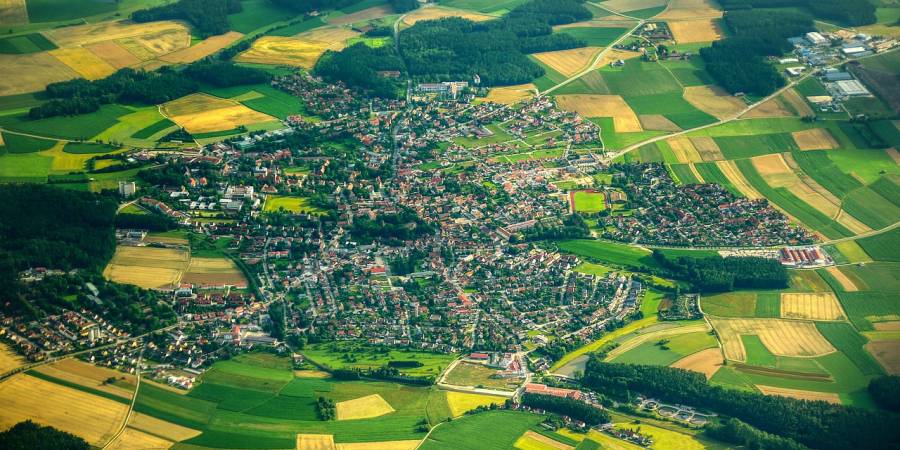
point(729, 304)
point(614, 140)
point(59, 10)
point(757, 353)
point(17, 143)
point(26, 43)
point(673, 106)
point(679, 346)
point(819, 166)
point(637, 78)
point(299, 27)
point(737, 147)
point(689, 73)
point(873, 209)
point(882, 247)
point(683, 174)
point(257, 14)
point(80, 127)
point(620, 255)
point(358, 355)
point(297, 205)
point(752, 127)
point(595, 36)
point(494, 429)
point(646, 13)
point(88, 148)
point(154, 128)
point(483, 6)
point(847, 341)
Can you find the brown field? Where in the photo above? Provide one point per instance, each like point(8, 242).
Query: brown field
point(684, 149)
point(113, 54)
point(315, 442)
point(829, 397)
point(387, 445)
point(89, 375)
point(708, 149)
point(690, 9)
point(814, 139)
point(700, 30)
point(202, 113)
point(83, 61)
point(657, 122)
point(734, 175)
point(533, 440)
point(714, 101)
point(782, 337)
point(360, 16)
point(147, 267)
point(773, 107)
point(213, 272)
point(706, 362)
point(846, 283)
point(363, 408)
point(624, 119)
point(893, 325)
point(32, 72)
point(13, 11)
point(95, 419)
point(887, 353)
point(161, 428)
point(1, 139)
point(508, 95)
point(813, 306)
point(9, 359)
point(615, 55)
point(105, 31)
point(439, 12)
point(631, 5)
point(131, 439)
point(894, 154)
point(298, 51)
point(203, 49)
point(792, 98)
point(306, 373)
point(569, 62)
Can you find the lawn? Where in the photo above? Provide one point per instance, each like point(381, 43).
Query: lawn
point(339, 355)
point(620, 255)
point(479, 375)
point(679, 346)
point(297, 205)
point(589, 202)
point(494, 429)
point(821, 168)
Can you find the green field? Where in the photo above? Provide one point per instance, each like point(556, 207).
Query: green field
point(683, 174)
point(882, 247)
point(82, 148)
point(28, 43)
point(499, 135)
point(495, 429)
point(551, 77)
point(672, 105)
point(81, 127)
point(737, 147)
point(297, 205)
point(712, 174)
point(589, 202)
point(646, 13)
point(299, 27)
point(638, 78)
point(339, 355)
point(483, 6)
point(257, 14)
point(595, 36)
point(679, 346)
point(757, 353)
point(616, 141)
point(729, 304)
point(479, 375)
point(620, 255)
point(689, 73)
point(818, 165)
point(871, 208)
point(16, 143)
point(847, 341)
point(59, 10)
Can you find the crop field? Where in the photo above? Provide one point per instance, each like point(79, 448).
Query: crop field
point(462, 402)
point(202, 49)
point(631, 5)
point(813, 306)
point(624, 119)
point(362, 16)
point(315, 442)
point(508, 95)
point(691, 9)
point(13, 11)
point(774, 107)
point(829, 397)
point(568, 62)
point(363, 408)
point(147, 267)
point(780, 337)
point(657, 122)
point(814, 139)
point(729, 304)
point(706, 362)
point(90, 376)
point(147, 33)
point(83, 61)
point(299, 51)
point(31, 72)
point(586, 201)
point(534, 441)
point(818, 165)
point(871, 208)
point(202, 113)
point(673, 106)
point(479, 375)
point(692, 31)
point(161, 428)
point(714, 101)
point(594, 36)
point(27, 43)
point(493, 429)
point(852, 345)
point(639, 78)
point(24, 397)
point(113, 54)
point(296, 205)
point(440, 12)
point(9, 359)
point(681, 342)
point(384, 445)
point(213, 272)
point(882, 247)
point(887, 353)
point(82, 127)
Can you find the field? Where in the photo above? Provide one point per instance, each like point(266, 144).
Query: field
point(9, 359)
point(829, 397)
point(31, 72)
point(706, 362)
point(883, 247)
point(361, 16)
point(589, 202)
point(296, 205)
point(28, 43)
point(508, 95)
point(480, 376)
point(780, 337)
point(607, 252)
point(690, 9)
point(161, 428)
point(93, 418)
point(302, 50)
point(363, 408)
point(339, 355)
point(439, 12)
point(147, 267)
point(495, 429)
point(91, 377)
point(815, 306)
point(678, 342)
point(714, 101)
point(692, 31)
point(462, 402)
point(202, 49)
point(202, 113)
point(568, 62)
point(624, 119)
point(213, 272)
point(83, 61)
point(315, 442)
point(13, 11)
point(815, 139)
point(887, 353)
point(534, 441)
point(594, 36)
point(384, 445)
point(631, 5)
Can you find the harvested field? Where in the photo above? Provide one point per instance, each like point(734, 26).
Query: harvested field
point(363, 408)
point(893, 325)
point(631, 5)
point(106, 31)
point(708, 148)
point(96, 419)
point(31, 72)
point(714, 101)
point(213, 272)
point(624, 119)
point(302, 50)
point(388, 445)
point(360, 16)
point(131, 439)
point(773, 107)
point(690, 9)
point(509, 95)
point(315, 442)
point(438, 12)
point(615, 55)
point(813, 306)
point(734, 175)
point(532, 440)
point(9, 359)
point(203, 49)
point(795, 101)
point(13, 11)
point(690, 31)
point(829, 397)
point(306, 373)
point(89, 375)
point(814, 139)
point(83, 61)
point(887, 353)
point(202, 113)
point(657, 122)
point(781, 337)
point(161, 428)
point(846, 283)
point(462, 402)
point(706, 362)
point(113, 54)
point(894, 154)
point(684, 149)
point(569, 62)
point(147, 267)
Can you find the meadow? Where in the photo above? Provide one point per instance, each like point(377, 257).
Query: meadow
point(296, 205)
point(614, 254)
point(479, 375)
point(495, 429)
point(340, 355)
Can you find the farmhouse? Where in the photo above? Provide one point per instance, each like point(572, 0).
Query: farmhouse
point(543, 389)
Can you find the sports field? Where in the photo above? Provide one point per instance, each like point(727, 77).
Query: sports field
point(441, 12)
point(147, 267)
point(202, 113)
point(588, 201)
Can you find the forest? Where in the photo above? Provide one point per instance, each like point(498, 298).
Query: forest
point(848, 12)
point(837, 427)
point(717, 274)
point(209, 17)
point(402, 226)
point(28, 435)
point(358, 67)
point(575, 409)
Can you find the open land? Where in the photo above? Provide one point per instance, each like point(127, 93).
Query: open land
point(147, 267)
point(887, 353)
point(690, 9)
point(9, 359)
point(363, 408)
point(508, 95)
point(781, 337)
point(815, 139)
point(203, 113)
point(706, 362)
point(569, 62)
point(202, 49)
point(624, 118)
point(829, 397)
point(90, 376)
point(532, 441)
point(714, 101)
point(691, 31)
point(439, 12)
point(301, 51)
point(813, 306)
point(213, 272)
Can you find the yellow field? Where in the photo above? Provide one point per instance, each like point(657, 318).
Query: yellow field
point(624, 118)
point(213, 272)
point(106, 31)
point(132, 439)
point(534, 441)
point(569, 62)
point(67, 162)
point(654, 336)
point(887, 353)
point(508, 95)
point(684, 149)
point(315, 442)
point(814, 139)
point(615, 55)
point(89, 375)
point(657, 122)
point(773, 107)
point(461, 402)
point(690, 9)
point(734, 175)
point(440, 12)
point(714, 101)
point(13, 11)
point(95, 419)
point(81, 60)
point(306, 373)
point(360, 16)
point(813, 306)
point(846, 283)
point(690, 31)
point(363, 408)
point(161, 428)
point(203, 113)
point(147, 267)
point(203, 49)
point(113, 54)
point(800, 394)
point(706, 362)
point(9, 359)
point(893, 325)
point(782, 337)
point(631, 5)
point(32, 72)
point(387, 445)
point(288, 51)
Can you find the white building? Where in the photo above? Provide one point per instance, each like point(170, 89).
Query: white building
point(851, 88)
point(127, 189)
point(816, 38)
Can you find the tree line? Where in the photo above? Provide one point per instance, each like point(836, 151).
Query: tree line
point(28, 435)
point(565, 406)
point(717, 274)
point(209, 17)
point(849, 12)
point(816, 424)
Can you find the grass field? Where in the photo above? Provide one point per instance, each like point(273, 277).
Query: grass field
point(671, 105)
point(589, 202)
point(337, 355)
point(675, 347)
point(479, 375)
point(461, 402)
point(882, 247)
point(619, 255)
point(27, 43)
point(213, 272)
point(296, 205)
point(363, 408)
point(495, 429)
point(84, 126)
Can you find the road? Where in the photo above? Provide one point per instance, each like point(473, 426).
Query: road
point(134, 397)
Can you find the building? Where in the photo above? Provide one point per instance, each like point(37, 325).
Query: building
point(851, 88)
point(836, 75)
point(127, 189)
point(816, 38)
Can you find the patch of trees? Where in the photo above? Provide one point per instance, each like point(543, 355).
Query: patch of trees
point(575, 409)
point(816, 424)
point(209, 17)
point(402, 226)
point(573, 227)
point(402, 6)
point(405, 265)
point(737, 432)
point(325, 408)
point(152, 222)
point(849, 12)
point(886, 392)
point(28, 435)
point(223, 74)
point(717, 274)
point(358, 67)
